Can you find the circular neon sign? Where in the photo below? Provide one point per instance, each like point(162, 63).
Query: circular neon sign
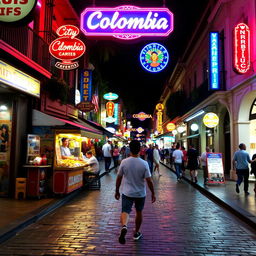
point(211, 120)
point(12, 11)
point(110, 96)
point(170, 126)
point(154, 57)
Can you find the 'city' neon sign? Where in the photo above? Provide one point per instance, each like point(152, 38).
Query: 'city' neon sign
point(127, 22)
point(242, 48)
point(214, 61)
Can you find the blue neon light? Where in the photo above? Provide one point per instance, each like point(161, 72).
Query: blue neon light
point(154, 57)
point(116, 113)
point(214, 72)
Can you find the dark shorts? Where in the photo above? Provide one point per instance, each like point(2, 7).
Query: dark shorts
point(127, 203)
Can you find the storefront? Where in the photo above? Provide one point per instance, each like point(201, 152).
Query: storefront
point(17, 91)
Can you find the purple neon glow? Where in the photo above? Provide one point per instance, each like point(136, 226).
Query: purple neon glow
point(127, 22)
point(39, 4)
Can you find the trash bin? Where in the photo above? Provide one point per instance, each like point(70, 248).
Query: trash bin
point(20, 190)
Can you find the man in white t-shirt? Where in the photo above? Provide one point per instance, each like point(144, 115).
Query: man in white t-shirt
point(106, 149)
point(132, 173)
point(177, 156)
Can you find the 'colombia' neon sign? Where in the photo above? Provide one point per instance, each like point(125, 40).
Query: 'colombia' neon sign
point(127, 22)
point(242, 48)
point(154, 57)
point(214, 61)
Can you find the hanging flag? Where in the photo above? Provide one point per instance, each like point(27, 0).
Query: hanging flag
point(95, 101)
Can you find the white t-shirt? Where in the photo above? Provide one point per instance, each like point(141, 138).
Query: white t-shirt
point(106, 149)
point(177, 155)
point(93, 164)
point(134, 171)
point(156, 155)
point(65, 151)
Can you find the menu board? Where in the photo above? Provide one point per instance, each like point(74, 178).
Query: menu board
point(215, 168)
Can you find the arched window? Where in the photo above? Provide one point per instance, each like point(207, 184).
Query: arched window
point(253, 111)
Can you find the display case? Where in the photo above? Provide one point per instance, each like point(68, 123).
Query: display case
point(68, 171)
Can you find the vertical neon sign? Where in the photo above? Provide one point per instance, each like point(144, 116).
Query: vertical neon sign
point(242, 48)
point(116, 113)
point(214, 72)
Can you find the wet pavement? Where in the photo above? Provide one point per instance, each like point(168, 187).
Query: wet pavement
point(181, 222)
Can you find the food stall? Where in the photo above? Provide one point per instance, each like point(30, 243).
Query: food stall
point(68, 173)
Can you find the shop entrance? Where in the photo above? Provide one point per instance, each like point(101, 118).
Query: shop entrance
point(227, 152)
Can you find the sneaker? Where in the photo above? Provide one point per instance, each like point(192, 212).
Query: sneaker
point(122, 235)
point(237, 188)
point(137, 236)
point(247, 193)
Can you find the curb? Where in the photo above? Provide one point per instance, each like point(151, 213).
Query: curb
point(242, 214)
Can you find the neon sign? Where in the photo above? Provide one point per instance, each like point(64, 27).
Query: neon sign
point(110, 96)
point(170, 127)
point(159, 114)
point(110, 106)
point(67, 47)
point(242, 48)
point(214, 61)
point(211, 120)
point(154, 57)
point(127, 22)
point(142, 116)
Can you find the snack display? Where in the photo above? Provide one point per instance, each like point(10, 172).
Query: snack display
point(70, 163)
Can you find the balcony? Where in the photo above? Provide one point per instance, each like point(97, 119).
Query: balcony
point(27, 42)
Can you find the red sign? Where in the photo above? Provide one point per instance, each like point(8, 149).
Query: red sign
point(85, 106)
point(110, 108)
point(67, 47)
point(242, 48)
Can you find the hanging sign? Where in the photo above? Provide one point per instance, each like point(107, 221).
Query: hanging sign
point(154, 57)
point(127, 22)
point(67, 47)
point(242, 48)
point(211, 120)
point(110, 96)
point(86, 85)
point(142, 116)
point(215, 168)
point(214, 69)
point(85, 106)
point(159, 114)
point(170, 127)
point(15, 10)
point(110, 106)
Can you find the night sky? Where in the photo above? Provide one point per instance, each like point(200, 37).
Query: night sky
point(139, 89)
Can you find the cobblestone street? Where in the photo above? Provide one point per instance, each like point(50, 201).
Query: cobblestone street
point(181, 222)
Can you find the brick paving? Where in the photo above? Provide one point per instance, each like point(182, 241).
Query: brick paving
point(181, 222)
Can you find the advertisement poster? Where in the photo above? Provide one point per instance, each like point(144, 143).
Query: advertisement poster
point(215, 168)
point(33, 145)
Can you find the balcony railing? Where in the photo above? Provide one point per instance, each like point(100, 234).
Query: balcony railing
point(26, 41)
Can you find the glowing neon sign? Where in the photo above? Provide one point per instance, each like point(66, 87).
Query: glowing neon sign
point(110, 96)
point(127, 22)
point(142, 116)
point(214, 62)
point(242, 48)
point(67, 47)
point(170, 127)
point(154, 57)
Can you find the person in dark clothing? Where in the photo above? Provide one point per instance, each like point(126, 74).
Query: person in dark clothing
point(192, 155)
point(253, 171)
point(149, 154)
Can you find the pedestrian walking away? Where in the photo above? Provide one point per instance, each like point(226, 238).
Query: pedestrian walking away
point(149, 156)
point(203, 163)
point(106, 149)
point(156, 157)
point(241, 160)
point(132, 174)
point(177, 159)
point(192, 162)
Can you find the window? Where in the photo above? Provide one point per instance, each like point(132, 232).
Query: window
point(253, 111)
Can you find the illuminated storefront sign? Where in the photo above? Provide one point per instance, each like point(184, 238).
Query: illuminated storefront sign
point(159, 114)
point(127, 22)
point(14, 10)
point(214, 72)
point(242, 48)
point(116, 113)
point(19, 80)
point(141, 116)
point(86, 85)
point(154, 57)
point(170, 127)
point(140, 130)
point(110, 96)
point(211, 120)
point(110, 108)
point(67, 47)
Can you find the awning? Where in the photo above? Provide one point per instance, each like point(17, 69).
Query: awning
point(42, 119)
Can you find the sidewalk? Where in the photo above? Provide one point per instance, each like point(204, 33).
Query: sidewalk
point(17, 214)
point(241, 205)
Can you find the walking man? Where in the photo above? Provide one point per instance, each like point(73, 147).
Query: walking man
point(133, 172)
point(204, 165)
point(177, 158)
point(106, 149)
point(240, 162)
